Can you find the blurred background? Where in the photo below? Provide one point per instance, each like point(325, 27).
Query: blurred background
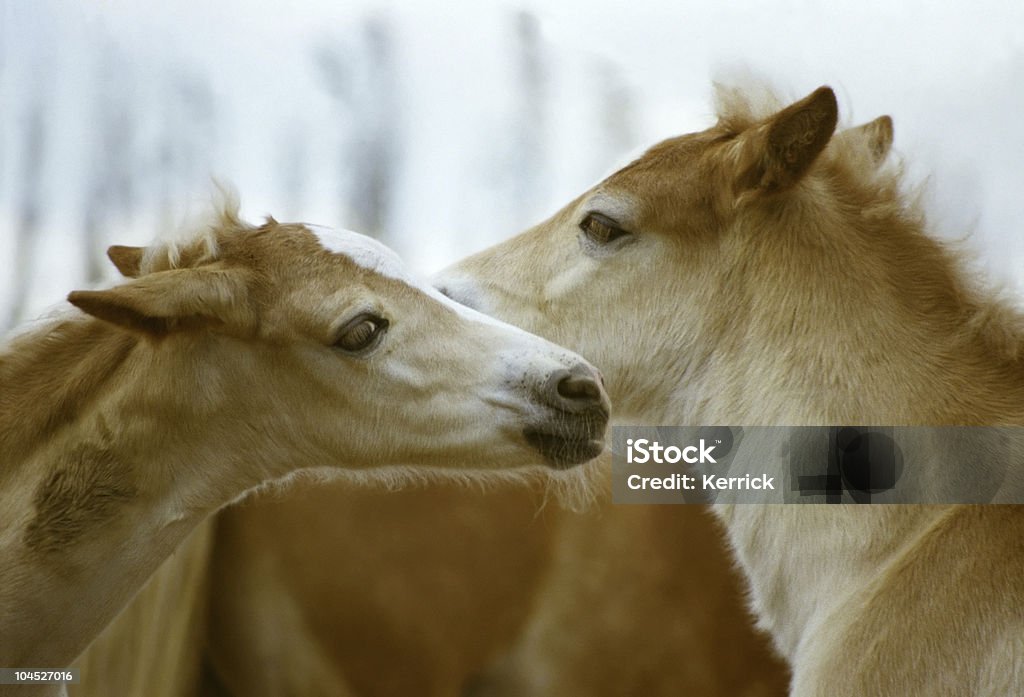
point(442, 127)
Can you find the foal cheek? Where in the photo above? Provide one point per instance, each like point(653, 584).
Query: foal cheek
point(569, 282)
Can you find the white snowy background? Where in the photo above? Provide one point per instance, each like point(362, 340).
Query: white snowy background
point(443, 127)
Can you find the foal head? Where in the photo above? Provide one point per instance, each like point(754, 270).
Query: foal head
point(767, 254)
point(315, 348)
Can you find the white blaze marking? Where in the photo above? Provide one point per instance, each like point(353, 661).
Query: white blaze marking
point(364, 251)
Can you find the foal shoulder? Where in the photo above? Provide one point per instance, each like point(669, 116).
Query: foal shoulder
point(955, 597)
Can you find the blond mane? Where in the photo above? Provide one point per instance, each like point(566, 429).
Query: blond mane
point(194, 240)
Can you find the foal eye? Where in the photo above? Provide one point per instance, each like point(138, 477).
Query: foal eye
point(601, 229)
point(361, 334)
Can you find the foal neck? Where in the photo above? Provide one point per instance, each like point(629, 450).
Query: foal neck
point(97, 483)
point(51, 377)
point(865, 320)
point(908, 342)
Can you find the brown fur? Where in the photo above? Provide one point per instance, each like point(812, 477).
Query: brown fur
point(37, 401)
point(84, 490)
point(218, 368)
point(172, 603)
point(638, 599)
point(426, 610)
point(463, 581)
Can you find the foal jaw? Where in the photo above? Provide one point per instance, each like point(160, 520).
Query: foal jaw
point(563, 451)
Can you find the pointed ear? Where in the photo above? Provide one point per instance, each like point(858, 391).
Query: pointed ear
point(781, 150)
point(163, 302)
point(128, 260)
point(876, 136)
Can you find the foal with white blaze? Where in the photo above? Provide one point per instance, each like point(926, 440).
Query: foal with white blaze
point(768, 272)
point(240, 357)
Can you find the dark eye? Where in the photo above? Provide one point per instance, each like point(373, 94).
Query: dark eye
point(601, 229)
point(361, 334)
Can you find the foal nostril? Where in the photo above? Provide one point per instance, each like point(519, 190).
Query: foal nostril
point(575, 390)
point(578, 387)
point(571, 429)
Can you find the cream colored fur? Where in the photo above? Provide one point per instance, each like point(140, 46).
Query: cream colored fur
point(747, 292)
point(776, 275)
point(222, 364)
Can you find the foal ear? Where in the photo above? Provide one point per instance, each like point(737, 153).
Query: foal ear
point(780, 151)
point(162, 302)
point(128, 260)
point(876, 136)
